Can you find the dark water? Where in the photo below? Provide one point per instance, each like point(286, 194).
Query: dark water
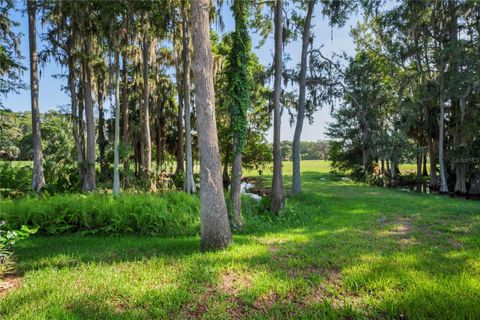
point(425, 189)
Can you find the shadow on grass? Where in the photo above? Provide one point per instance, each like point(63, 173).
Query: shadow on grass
point(355, 251)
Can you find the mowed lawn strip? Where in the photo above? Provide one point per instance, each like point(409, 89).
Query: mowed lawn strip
point(348, 250)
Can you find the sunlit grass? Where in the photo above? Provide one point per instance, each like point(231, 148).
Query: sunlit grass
point(350, 251)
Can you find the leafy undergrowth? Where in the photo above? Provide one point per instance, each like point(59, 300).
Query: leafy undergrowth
point(169, 214)
point(340, 250)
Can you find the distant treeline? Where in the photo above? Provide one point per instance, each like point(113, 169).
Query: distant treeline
point(309, 150)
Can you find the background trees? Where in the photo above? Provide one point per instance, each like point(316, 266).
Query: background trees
point(410, 84)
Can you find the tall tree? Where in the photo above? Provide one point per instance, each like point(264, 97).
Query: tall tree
point(178, 76)
point(189, 184)
point(116, 142)
point(277, 196)
point(239, 86)
point(296, 183)
point(89, 182)
point(147, 165)
point(215, 228)
point(38, 179)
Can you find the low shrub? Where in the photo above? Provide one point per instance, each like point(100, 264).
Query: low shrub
point(297, 212)
point(8, 238)
point(169, 214)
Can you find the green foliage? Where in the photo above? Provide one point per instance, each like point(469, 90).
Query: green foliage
point(8, 238)
point(255, 151)
point(10, 68)
point(309, 150)
point(173, 213)
point(238, 75)
point(15, 179)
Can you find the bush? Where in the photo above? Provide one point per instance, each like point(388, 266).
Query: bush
point(8, 238)
point(15, 180)
point(168, 214)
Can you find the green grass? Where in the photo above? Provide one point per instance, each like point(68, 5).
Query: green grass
point(348, 251)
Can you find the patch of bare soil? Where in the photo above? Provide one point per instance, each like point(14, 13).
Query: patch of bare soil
point(402, 227)
point(330, 290)
point(230, 284)
point(8, 283)
point(265, 301)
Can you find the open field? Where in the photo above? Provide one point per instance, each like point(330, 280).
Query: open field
point(349, 250)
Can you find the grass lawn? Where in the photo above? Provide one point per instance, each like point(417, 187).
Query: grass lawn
point(354, 251)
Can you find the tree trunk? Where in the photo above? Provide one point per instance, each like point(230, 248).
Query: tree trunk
point(89, 181)
point(226, 177)
point(236, 185)
point(116, 157)
point(76, 117)
point(475, 185)
point(432, 156)
point(101, 136)
point(239, 87)
point(160, 127)
point(424, 171)
point(125, 142)
point(146, 115)
point(38, 179)
point(277, 197)
point(215, 228)
point(189, 183)
point(296, 183)
point(441, 139)
point(180, 167)
point(419, 170)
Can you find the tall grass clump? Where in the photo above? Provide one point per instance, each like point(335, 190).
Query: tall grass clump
point(169, 214)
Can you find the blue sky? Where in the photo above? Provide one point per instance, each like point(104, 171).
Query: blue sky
point(334, 40)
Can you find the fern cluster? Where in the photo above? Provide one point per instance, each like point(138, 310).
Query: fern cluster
point(169, 214)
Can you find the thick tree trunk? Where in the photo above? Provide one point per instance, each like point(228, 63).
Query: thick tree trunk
point(146, 115)
point(180, 162)
point(277, 196)
point(116, 143)
point(189, 183)
point(296, 183)
point(38, 179)
point(215, 228)
point(90, 174)
point(125, 142)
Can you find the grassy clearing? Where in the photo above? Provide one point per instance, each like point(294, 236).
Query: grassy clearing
point(348, 250)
